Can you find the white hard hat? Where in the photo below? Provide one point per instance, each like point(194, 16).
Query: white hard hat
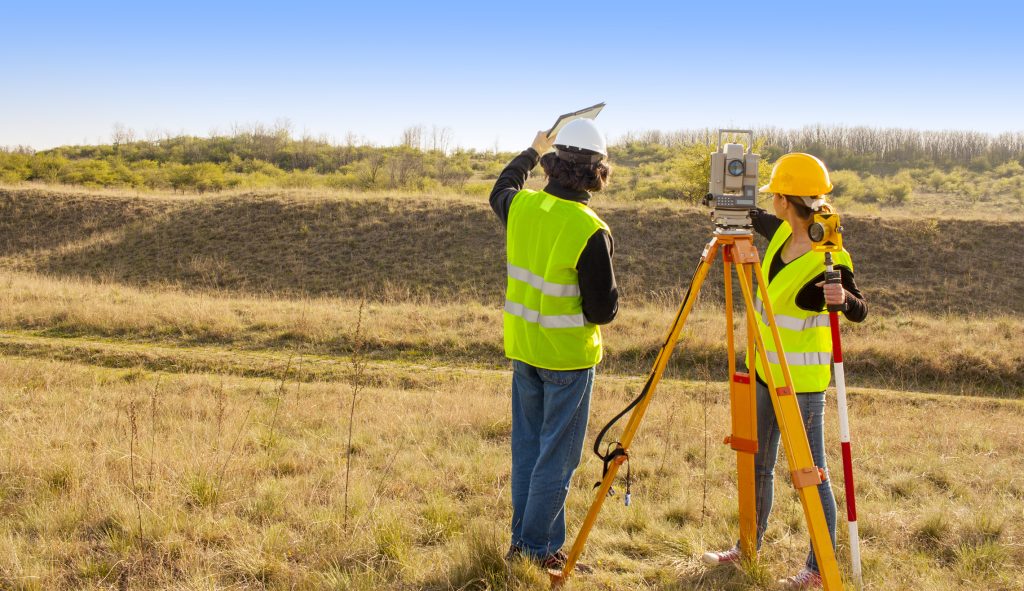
point(581, 134)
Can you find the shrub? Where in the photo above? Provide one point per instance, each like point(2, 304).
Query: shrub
point(847, 183)
point(47, 167)
point(298, 179)
point(91, 173)
point(339, 180)
point(14, 167)
point(897, 189)
point(1009, 169)
point(478, 189)
point(202, 177)
point(893, 191)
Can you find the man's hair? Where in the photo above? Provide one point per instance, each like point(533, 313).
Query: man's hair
point(577, 176)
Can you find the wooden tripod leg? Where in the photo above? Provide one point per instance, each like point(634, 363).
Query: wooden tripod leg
point(794, 438)
point(743, 439)
point(660, 363)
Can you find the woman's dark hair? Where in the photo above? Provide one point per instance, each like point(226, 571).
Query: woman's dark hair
point(577, 176)
point(801, 208)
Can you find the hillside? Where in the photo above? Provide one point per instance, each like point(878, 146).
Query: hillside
point(188, 382)
point(402, 247)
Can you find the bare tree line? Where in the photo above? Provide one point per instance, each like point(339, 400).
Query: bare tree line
point(892, 143)
point(900, 144)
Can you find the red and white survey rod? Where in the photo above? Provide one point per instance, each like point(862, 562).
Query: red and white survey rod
point(832, 276)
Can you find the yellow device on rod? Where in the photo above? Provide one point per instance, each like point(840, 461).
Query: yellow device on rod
point(826, 233)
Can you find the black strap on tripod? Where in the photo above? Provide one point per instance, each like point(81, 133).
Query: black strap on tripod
point(614, 450)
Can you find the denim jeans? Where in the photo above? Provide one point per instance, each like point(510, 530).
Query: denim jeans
point(550, 410)
point(812, 408)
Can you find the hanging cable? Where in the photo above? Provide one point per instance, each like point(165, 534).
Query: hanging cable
point(611, 453)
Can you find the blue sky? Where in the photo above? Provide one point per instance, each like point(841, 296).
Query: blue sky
point(494, 73)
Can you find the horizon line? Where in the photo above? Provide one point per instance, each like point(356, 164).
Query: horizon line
point(352, 139)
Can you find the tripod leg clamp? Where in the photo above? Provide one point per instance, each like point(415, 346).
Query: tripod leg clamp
point(740, 444)
point(811, 476)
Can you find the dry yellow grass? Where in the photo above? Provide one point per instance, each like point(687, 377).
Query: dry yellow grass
point(152, 437)
point(948, 353)
point(237, 484)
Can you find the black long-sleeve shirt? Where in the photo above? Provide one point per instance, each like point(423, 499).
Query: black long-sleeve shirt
point(811, 296)
point(596, 273)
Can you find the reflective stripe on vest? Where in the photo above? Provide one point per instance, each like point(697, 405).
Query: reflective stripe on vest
point(535, 317)
point(801, 358)
point(789, 322)
point(552, 289)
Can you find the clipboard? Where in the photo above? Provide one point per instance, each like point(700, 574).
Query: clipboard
point(588, 113)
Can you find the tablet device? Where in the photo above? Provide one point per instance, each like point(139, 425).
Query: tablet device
point(588, 113)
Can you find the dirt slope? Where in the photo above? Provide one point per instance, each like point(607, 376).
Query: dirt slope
point(402, 246)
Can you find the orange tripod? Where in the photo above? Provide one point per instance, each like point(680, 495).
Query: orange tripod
point(737, 249)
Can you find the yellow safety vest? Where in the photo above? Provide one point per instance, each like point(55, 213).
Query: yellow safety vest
point(806, 336)
point(544, 322)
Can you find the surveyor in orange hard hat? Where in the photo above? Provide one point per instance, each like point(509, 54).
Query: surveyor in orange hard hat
point(560, 287)
point(799, 295)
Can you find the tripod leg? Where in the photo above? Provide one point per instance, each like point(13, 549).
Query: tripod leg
point(743, 438)
point(794, 438)
point(660, 363)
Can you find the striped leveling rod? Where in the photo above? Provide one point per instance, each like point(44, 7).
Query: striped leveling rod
point(844, 431)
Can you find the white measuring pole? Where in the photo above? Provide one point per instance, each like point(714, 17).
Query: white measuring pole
point(844, 435)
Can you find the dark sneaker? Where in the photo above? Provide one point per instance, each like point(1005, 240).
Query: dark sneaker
point(557, 562)
point(513, 551)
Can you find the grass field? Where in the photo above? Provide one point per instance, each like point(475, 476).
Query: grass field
point(179, 378)
point(131, 478)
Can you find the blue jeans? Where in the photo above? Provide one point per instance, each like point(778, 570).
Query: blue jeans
point(812, 408)
point(550, 410)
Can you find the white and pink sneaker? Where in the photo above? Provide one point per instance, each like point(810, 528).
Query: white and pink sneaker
point(805, 579)
point(724, 557)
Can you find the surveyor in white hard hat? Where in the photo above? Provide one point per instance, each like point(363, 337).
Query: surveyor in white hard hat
point(561, 286)
point(799, 295)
